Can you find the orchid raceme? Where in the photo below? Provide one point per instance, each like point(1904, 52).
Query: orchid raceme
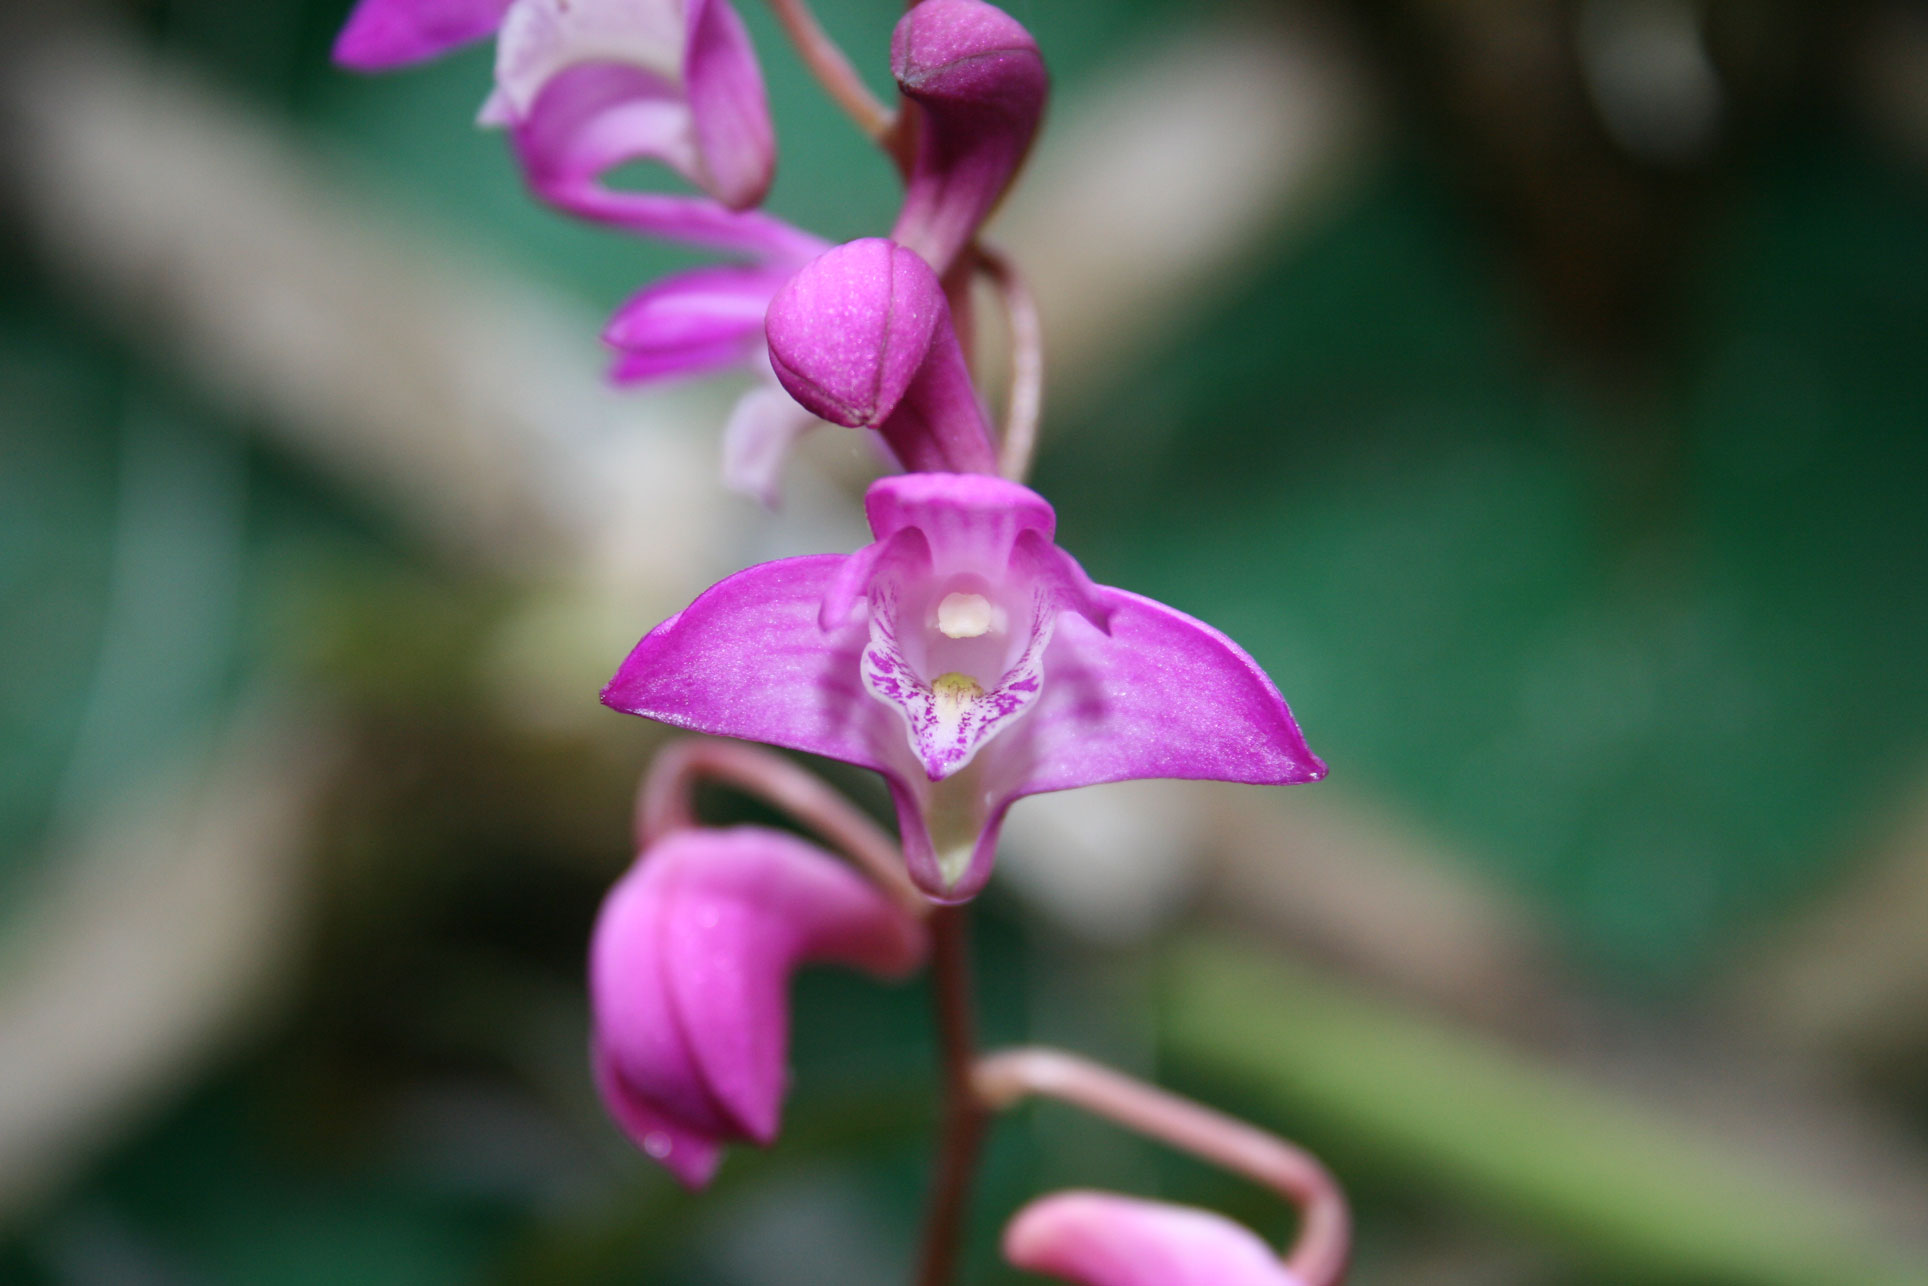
point(1101, 1239)
point(971, 662)
point(688, 973)
point(961, 654)
point(977, 77)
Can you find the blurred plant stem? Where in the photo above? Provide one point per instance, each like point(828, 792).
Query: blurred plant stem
point(962, 1129)
point(1628, 1188)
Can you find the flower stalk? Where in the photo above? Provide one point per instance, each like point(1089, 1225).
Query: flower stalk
point(665, 803)
point(1024, 401)
point(963, 1115)
point(1318, 1255)
point(834, 72)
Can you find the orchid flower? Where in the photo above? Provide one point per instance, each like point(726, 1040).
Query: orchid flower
point(585, 86)
point(971, 662)
point(688, 974)
point(1101, 1239)
point(977, 77)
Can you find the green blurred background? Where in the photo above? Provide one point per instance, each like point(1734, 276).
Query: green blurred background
point(1536, 389)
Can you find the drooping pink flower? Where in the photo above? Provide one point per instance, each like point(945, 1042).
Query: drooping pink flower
point(1102, 1239)
point(979, 85)
point(862, 336)
point(585, 86)
point(969, 660)
point(689, 969)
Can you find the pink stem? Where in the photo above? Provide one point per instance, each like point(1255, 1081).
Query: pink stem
point(828, 63)
point(664, 804)
point(1025, 404)
point(961, 1133)
point(1318, 1256)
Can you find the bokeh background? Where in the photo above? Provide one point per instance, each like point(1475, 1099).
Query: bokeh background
point(1537, 389)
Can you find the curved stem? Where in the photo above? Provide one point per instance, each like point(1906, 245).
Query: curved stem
point(833, 71)
point(1317, 1257)
point(964, 1114)
point(664, 804)
point(1025, 403)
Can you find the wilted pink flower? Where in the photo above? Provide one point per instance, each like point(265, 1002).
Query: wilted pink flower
point(585, 86)
point(977, 77)
point(1101, 1239)
point(969, 660)
point(689, 971)
point(862, 336)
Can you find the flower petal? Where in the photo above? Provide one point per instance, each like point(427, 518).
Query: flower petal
point(1160, 695)
point(731, 110)
point(381, 34)
point(763, 425)
point(750, 905)
point(638, 1030)
point(1101, 1239)
point(542, 38)
point(691, 1155)
point(980, 81)
point(693, 322)
point(749, 659)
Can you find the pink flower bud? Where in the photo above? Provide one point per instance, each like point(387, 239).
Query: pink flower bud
point(980, 83)
point(862, 336)
point(689, 972)
point(1100, 1239)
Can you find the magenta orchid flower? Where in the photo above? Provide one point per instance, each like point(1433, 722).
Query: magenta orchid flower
point(979, 82)
point(585, 86)
point(1101, 1239)
point(688, 977)
point(971, 662)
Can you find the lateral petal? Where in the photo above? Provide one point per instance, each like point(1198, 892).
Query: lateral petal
point(1161, 694)
point(748, 659)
